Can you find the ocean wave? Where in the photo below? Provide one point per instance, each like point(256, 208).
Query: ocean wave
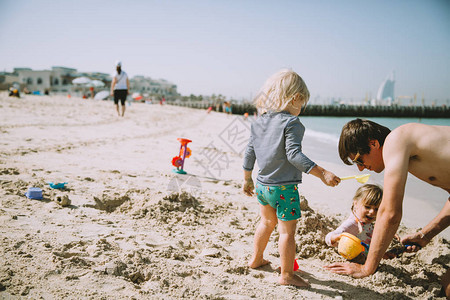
point(322, 136)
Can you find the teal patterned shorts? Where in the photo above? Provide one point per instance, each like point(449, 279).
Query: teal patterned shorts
point(284, 198)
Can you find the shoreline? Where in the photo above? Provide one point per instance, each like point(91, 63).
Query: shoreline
point(346, 110)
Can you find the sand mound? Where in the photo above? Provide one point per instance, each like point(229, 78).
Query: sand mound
point(416, 273)
point(109, 201)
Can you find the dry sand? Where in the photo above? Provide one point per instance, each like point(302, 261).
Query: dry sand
point(135, 229)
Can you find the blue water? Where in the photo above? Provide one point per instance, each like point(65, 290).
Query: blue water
point(332, 125)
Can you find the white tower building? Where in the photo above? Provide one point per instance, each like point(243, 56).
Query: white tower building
point(386, 90)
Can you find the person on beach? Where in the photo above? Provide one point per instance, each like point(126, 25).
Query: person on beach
point(228, 109)
point(276, 143)
point(120, 88)
point(360, 223)
point(364, 210)
point(423, 151)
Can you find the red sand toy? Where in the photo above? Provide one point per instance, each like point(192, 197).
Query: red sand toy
point(296, 267)
point(185, 152)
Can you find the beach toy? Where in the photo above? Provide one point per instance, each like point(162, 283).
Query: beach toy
point(185, 152)
point(398, 251)
point(60, 185)
point(34, 193)
point(360, 178)
point(365, 246)
point(296, 267)
point(350, 246)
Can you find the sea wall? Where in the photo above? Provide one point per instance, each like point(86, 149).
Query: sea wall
point(343, 110)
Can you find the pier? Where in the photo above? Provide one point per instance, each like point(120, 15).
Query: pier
point(342, 110)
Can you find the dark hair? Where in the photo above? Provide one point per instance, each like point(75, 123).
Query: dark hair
point(355, 137)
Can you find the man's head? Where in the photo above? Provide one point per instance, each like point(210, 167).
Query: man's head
point(358, 138)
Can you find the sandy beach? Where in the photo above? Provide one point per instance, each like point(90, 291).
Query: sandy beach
point(137, 230)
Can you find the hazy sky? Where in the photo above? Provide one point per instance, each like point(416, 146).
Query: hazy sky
point(340, 48)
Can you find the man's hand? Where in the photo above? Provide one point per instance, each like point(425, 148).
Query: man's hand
point(352, 269)
point(416, 240)
point(248, 187)
point(390, 255)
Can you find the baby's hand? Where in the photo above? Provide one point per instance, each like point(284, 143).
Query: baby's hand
point(335, 238)
point(330, 179)
point(248, 187)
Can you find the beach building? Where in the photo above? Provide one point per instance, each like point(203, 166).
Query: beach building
point(8, 79)
point(38, 81)
point(385, 94)
point(59, 79)
point(151, 87)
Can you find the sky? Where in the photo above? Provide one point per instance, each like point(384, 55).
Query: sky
point(343, 49)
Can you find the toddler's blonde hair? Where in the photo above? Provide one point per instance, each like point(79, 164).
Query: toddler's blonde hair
point(370, 194)
point(280, 89)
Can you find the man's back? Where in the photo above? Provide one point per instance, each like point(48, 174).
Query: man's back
point(428, 148)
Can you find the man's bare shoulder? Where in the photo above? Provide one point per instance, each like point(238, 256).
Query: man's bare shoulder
point(401, 136)
point(416, 134)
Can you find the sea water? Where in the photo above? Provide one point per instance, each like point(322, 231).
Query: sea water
point(321, 143)
point(326, 131)
point(330, 127)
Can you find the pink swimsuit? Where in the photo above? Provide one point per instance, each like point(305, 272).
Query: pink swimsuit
point(351, 226)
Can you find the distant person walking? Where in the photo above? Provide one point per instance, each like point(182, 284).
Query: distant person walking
point(120, 88)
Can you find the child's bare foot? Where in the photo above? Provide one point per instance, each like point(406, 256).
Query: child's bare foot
point(257, 263)
point(298, 270)
point(293, 280)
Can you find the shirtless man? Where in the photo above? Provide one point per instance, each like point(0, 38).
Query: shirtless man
point(419, 149)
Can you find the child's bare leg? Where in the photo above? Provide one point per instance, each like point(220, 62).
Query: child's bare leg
point(286, 247)
point(262, 235)
point(123, 110)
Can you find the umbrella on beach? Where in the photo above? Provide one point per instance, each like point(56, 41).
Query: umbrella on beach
point(96, 83)
point(81, 80)
point(136, 96)
point(101, 95)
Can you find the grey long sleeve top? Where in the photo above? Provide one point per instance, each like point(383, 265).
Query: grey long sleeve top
point(276, 143)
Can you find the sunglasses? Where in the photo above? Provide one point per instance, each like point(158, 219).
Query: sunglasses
point(357, 160)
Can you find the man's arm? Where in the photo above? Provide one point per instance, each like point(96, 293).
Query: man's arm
point(424, 236)
point(128, 86)
point(390, 211)
point(396, 154)
point(439, 223)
